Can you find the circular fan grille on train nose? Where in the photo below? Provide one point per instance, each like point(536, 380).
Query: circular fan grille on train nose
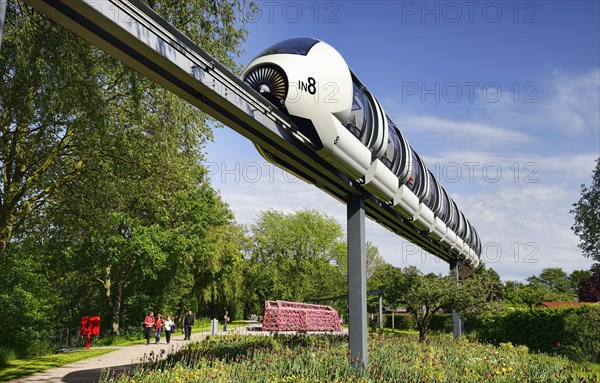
point(270, 81)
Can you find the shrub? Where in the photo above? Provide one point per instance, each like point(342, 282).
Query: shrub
point(582, 330)
point(574, 331)
point(6, 355)
point(401, 321)
point(441, 322)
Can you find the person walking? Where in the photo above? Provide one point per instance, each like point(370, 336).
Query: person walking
point(148, 325)
point(169, 327)
point(226, 320)
point(188, 323)
point(158, 328)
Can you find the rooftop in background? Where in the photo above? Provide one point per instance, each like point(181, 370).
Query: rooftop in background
point(564, 304)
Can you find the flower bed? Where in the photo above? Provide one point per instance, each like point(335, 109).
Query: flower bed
point(314, 359)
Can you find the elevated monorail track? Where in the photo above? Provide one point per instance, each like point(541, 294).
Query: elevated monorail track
point(133, 33)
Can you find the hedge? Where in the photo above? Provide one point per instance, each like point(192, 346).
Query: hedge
point(573, 331)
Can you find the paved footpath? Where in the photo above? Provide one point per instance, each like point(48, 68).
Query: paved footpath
point(123, 358)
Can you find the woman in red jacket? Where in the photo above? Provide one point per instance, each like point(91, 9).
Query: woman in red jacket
point(158, 327)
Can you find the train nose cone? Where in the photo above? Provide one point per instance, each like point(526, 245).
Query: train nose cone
point(264, 88)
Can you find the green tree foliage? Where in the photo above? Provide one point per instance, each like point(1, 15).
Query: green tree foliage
point(294, 257)
point(395, 282)
point(481, 291)
point(428, 294)
point(49, 97)
point(90, 147)
point(530, 294)
point(551, 285)
point(587, 217)
point(554, 279)
point(576, 276)
point(28, 305)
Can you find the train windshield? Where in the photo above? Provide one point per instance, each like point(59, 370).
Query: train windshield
point(295, 46)
point(360, 119)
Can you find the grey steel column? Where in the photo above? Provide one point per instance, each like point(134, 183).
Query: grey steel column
point(2, 17)
point(457, 322)
point(357, 282)
point(381, 310)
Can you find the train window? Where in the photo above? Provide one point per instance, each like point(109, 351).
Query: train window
point(417, 181)
point(473, 242)
point(393, 156)
point(462, 226)
point(296, 46)
point(432, 200)
point(445, 212)
point(360, 119)
point(467, 237)
point(454, 223)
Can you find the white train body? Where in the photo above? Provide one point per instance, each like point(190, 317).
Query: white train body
point(335, 113)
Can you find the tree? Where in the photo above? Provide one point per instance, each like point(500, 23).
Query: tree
point(589, 288)
point(294, 257)
point(587, 217)
point(576, 276)
point(480, 287)
point(395, 281)
point(530, 294)
point(374, 259)
point(427, 295)
point(90, 147)
point(49, 97)
point(554, 279)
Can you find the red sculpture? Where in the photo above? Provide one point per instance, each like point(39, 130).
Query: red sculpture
point(295, 316)
point(90, 326)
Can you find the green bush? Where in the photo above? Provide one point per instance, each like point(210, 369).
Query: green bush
point(401, 321)
point(573, 331)
point(441, 322)
point(582, 330)
point(6, 355)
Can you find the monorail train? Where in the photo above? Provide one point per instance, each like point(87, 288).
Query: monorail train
point(309, 80)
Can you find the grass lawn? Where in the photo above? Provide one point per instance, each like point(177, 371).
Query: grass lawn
point(17, 368)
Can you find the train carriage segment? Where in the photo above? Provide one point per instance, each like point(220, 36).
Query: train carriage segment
point(338, 118)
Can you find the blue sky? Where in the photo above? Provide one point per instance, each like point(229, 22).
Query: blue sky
point(501, 99)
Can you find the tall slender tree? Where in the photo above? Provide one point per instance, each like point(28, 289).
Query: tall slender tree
point(587, 217)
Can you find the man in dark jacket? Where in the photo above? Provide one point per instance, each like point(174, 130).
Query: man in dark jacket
point(188, 322)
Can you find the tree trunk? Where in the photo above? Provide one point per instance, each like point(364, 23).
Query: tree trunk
point(107, 284)
point(6, 232)
point(116, 310)
point(422, 335)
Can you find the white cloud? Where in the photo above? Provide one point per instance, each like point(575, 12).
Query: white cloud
point(574, 103)
point(466, 132)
